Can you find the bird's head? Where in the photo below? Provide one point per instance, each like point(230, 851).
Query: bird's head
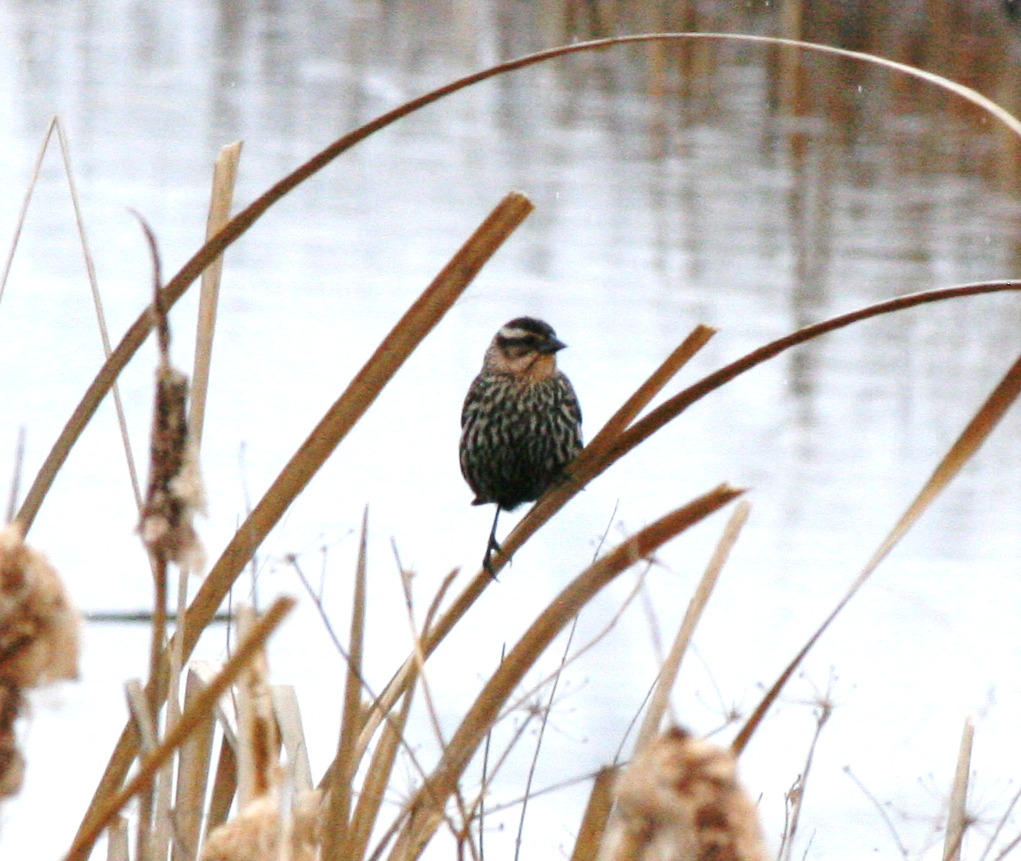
point(524, 347)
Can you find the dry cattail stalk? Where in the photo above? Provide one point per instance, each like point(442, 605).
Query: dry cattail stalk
point(39, 639)
point(680, 800)
point(254, 834)
point(259, 768)
point(175, 491)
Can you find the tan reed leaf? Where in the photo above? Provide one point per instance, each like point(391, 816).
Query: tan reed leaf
point(668, 672)
point(337, 826)
point(99, 816)
point(971, 438)
point(192, 774)
point(957, 812)
point(398, 345)
point(426, 808)
point(225, 172)
point(597, 812)
point(258, 735)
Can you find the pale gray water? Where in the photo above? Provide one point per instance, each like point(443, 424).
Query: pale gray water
point(652, 215)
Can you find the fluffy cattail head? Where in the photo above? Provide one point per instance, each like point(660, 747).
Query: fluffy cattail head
point(680, 800)
point(39, 628)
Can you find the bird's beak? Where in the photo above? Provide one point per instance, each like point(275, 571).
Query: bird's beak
point(552, 345)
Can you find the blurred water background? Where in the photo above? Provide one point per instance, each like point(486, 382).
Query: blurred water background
point(742, 187)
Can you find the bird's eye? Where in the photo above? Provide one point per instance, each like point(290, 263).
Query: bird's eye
point(525, 342)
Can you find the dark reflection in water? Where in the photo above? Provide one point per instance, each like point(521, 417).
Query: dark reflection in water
point(752, 189)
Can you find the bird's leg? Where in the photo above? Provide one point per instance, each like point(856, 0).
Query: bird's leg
point(491, 546)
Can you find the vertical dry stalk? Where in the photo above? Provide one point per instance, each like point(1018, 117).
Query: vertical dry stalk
point(970, 440)
point(957, 817)
point(259, 770)
point(192, 718)
point(394, 350)
point(224, 178)
point(267, 828)
point(12, 762)
point(174, 494)
point(337, 830)
point(668, 673)
point(680, 800)
point(426, 808)
point(593, 823)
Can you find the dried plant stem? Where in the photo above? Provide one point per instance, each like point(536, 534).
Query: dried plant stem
point(881, 810)
point(593, 823)
point(100, 816)
point(796, 796)
point(966, 445)
point(402, 340)
point(97, 302)
point(588, 465)
point(193, 769)
point(19, 462)
point(148, 734)
point(56, 126)
point(225, 173)
point(426, 808)
point(237, 226)
point(957, 815)
point(336, 824)
point(668, 673)
point(533, 521)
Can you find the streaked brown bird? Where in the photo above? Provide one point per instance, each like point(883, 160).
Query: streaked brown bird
point(521, 423)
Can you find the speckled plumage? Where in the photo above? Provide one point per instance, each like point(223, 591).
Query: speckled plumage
point(521, 423)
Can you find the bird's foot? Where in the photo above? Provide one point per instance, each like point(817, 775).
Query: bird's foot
point(487, 562)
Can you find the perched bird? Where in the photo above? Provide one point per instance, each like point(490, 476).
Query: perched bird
point(521, 423)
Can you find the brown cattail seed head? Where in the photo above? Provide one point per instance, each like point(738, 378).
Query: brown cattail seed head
point(175, 491)
point(39, 628)
point(680, 800)
point(254, 834)
point(12, 763)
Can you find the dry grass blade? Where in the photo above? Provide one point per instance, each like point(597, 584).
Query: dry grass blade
point(192, 718)
point(434, 635)
point(668, 673)
point(19, 463)
point(20, 223)
point(613, 449)
point(957, 815)
point(258, 734)
point(670, 409)
point(426, 809)
point(966, 445)
point(56, 126)
point(192, 777)
point(593, 823)
point(225, 173)
point(104, 334)
point(336, 831)
point(695, 341)
point(237, 226)
point(292, 734)
point(416, 323)
point(117, 840)
point(377, 776)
